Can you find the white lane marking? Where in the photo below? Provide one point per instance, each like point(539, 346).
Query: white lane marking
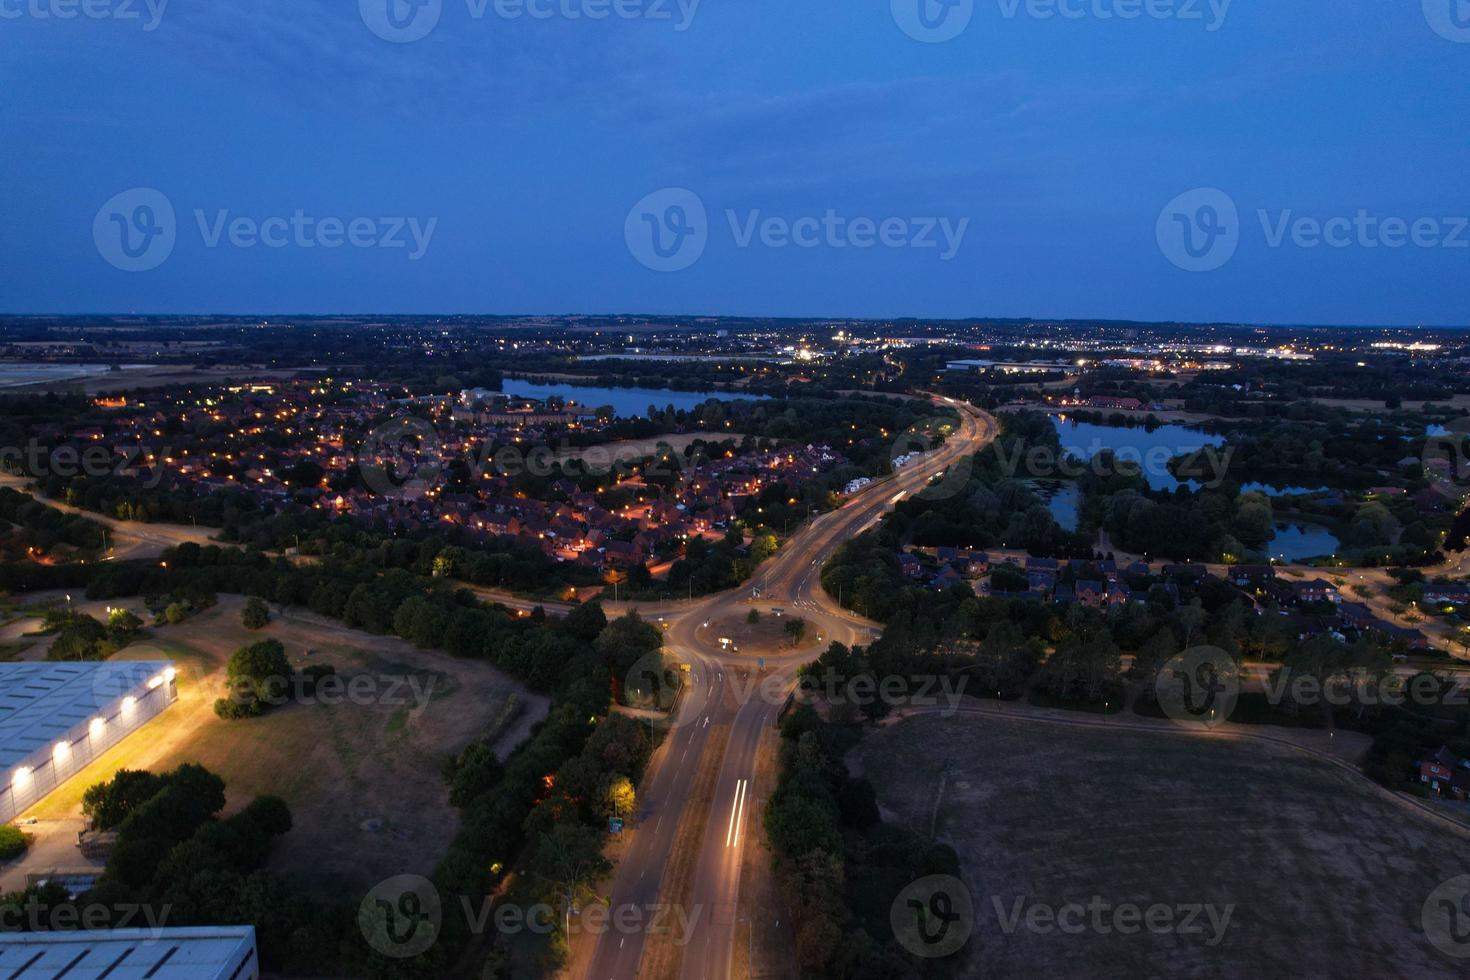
point(735, 811)
point(740, 820)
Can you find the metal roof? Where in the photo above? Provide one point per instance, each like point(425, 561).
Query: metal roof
point(41, 702)
point(129, 954)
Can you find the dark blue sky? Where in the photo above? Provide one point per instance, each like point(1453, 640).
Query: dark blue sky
point(1031, 165)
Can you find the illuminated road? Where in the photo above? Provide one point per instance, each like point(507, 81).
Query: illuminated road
point(734, 701)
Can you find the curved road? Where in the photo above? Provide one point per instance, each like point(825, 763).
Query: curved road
point(731, 696)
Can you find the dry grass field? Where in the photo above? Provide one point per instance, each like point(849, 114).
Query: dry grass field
point(1326, 876)
point(362, 776)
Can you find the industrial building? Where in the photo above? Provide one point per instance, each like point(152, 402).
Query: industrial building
point(56, 718)
point(203, 953)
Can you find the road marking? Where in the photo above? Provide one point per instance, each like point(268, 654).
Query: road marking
point(740, 820)
point(735, 812)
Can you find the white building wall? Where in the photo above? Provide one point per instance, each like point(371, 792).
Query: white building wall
point(25, 784)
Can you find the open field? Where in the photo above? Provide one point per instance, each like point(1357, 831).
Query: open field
point(362, 775)
point(1327, 877)
point(16, 379)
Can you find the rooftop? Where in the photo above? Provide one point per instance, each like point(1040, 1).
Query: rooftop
point(125, 954)
point(41, 702)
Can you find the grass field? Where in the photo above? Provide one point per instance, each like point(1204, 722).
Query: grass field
point(1327, 878)
point(362, 776)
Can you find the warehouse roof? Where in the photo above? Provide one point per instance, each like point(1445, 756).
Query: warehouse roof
point(127, 954)
point(41, 702)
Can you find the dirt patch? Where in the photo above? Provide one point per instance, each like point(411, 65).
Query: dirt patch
point(1325, 876)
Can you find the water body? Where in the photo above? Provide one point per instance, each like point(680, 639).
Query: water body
point(1151, 448)
point(1062, 497)
point(1295, 542)
point(1154, 448)
point(626, 402)
point(16, 374)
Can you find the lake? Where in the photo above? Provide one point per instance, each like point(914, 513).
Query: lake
point(1153, 448)
point(1294, 542)
point(1062, 497)
point(626, 402)
point(16, 374)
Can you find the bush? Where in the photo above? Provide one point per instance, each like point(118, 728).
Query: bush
point(13, 843)
point(255, 615)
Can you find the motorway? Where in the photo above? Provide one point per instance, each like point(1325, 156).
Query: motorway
point(717, 733)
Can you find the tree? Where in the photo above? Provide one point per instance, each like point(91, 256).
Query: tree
point(257, 675)
point(753, 617)
point(107, 804)
point(796, 629)
point(256, 614)
point(619, 799)
point(569, 859)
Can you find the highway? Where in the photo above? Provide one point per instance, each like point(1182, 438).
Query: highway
point(731, 703)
